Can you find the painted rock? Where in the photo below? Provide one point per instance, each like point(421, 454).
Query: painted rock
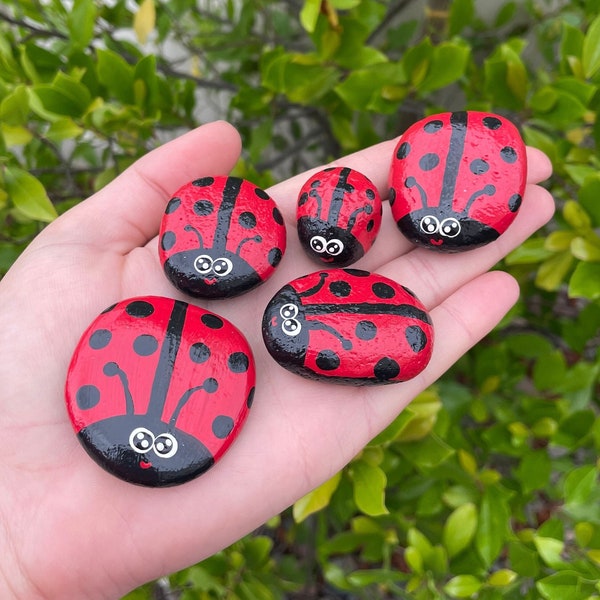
point(338, 215)
point(348, 326)
point(158, 389)
point(220, 237)
point(457, 180)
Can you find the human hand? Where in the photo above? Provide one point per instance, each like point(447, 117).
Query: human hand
point(70, 530)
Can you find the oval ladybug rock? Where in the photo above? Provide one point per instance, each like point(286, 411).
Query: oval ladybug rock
point(157, 389)
point(457, 180)
point(338, 215)
point(220, 236)
point(348, 326)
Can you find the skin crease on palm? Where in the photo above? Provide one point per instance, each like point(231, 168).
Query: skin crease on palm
point(70, 530)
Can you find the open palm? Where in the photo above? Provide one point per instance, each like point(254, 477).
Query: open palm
point(70, 530)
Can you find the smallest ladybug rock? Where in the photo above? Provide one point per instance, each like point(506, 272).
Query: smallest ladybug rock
point(338, 216)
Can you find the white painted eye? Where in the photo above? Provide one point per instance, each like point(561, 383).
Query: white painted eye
point(141, 440)
point(165, 445)
point(222, 267)
point(429, 225)
point(203, 264)
point(450, 227)
point(334, 247)
point(291, 327)
point(318, 244)
point(288, 311)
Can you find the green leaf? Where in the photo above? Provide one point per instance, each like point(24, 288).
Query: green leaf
point(506, 79)
point(501, 578)
point(580, 483)
point(14, 107)
point(144, 20)
point(427, 453)
point(309, 14)
point(591, 49)
point(565, 585)
point(316, 500)
point(531, 251)
point(588, 196)
point(80, 21)
point(550, 551)
point(28, 195)
point(447, 64)
point(585, 281)
point(369, 488)
point(493, 524)
point(463, 586)
point(63, 129)
point(553, 271)
point(549, 370)
point(461, 16)
point(65, 96)
point(534, 471)
point(116, 75)
point(460, 528)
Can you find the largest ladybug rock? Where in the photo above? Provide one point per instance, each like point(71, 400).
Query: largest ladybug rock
point(457, 180)
point(220, 236)
point(158, 389)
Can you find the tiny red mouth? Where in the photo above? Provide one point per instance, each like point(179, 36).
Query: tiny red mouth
point(327, 260)
point(144, 464)
point(436, 242)
point(209, 281)
point(273, 322)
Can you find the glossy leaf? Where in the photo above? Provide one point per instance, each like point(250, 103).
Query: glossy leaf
point(369, 483)
point(28, 195)
point(144, 20)
point(460, 528)
point(585, 281)
point(316, 500)
point(492, 527)
point(591, 49)
point(463, 586)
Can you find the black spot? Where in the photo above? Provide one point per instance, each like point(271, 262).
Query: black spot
point(168, 240)
point(274, 257)
point(327, 360)
point(508, 154)
point(222, 426)
point(210, 385)
point(212, 321)
point(262, 194)
point(410, 182)
point(87, 396)
point(250, 398)
point(370, 225)
point(341, 289)
point(514, 202)
point(492, 123)
point(366, 330)
point(100, 339)
point(199, 352)
point(429, 161)
point(303, 198)
point(203, 181)
point(173, 205)
point(139, 309)
point(145, 345)
point(277, 216)
point(416, 338)
point(370, 194)
point(403, 150)
point(357, 272)
point(203, 207)
point(238, 362)
point(392, 196)
point(433, 126)
point(479, 166)
point(386, 368)
point(489, 189)
point(383, 290)
point(247, 220)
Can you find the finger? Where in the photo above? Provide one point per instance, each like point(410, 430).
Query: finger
point(433, 276)
point(127, 212)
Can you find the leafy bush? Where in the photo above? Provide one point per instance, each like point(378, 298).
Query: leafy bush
point(487, 485)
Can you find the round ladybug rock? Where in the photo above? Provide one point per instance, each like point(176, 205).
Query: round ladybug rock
point(338, 215)
point(220, 237)
point(348, 326)
point(457, 180)
point(157, 389)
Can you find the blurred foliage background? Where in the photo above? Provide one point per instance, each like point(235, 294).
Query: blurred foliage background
point(487, 485)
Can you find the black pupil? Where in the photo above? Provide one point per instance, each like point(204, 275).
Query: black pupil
point(163, 445)
point(142, 441)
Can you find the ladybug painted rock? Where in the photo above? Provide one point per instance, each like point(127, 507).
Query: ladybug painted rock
point(157, 389)
point(338, 215)
point(348, 326)
point(457, 180)
point(220, 237)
